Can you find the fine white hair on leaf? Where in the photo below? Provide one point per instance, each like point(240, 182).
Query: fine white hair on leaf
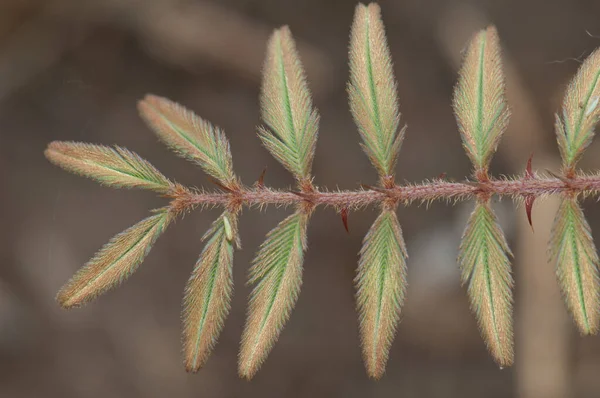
point(372, 90)
point(479, 100)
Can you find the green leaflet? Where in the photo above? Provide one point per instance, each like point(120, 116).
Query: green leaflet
point(190, 137)
point(482, 116)
point(381, 286)
point(479, 101)
point(372, 90)
point(208, 293)
point(115, 262)
point(484, 263)
point(277, 275)
point(115, 167)
point(572, 251)
point(581, 111)
point(291, 138)
point(287, 108)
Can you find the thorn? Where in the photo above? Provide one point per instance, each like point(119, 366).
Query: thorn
point(218, 183)
point(261, 180)
point(528, 170)
point(344, 214)
point(442, 176)
point(529, 199)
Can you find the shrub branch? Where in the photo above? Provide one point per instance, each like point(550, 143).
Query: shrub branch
point(290, 133)
point(427, 191)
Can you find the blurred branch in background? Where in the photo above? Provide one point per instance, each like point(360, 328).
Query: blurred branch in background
point(30, 43)
point(182, 33)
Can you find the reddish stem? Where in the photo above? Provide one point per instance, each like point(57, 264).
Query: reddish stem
point(426, 191)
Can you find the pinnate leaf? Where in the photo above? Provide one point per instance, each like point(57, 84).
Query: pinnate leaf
point(208, 292)
point(116, 167)
point(277, 275)
point(485, 267)
point(286, 107)
point(372, 89)
point(479, 101)
point(573, 252)
point(190, 136)
point(381, 286)
point(115, 262)
point(580, 112)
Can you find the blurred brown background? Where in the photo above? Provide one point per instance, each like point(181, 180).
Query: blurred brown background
point(74, 69)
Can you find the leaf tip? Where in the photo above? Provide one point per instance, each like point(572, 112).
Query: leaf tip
point(52, 150)
point(192, 366)
point(66, 300)
point(247, 369)
point(149, 99)
point(376, 370)
point(505, 359)
point(587, 329)
point(147, 107)
point(53, 146)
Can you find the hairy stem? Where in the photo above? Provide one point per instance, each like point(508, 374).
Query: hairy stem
point(426, 191)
